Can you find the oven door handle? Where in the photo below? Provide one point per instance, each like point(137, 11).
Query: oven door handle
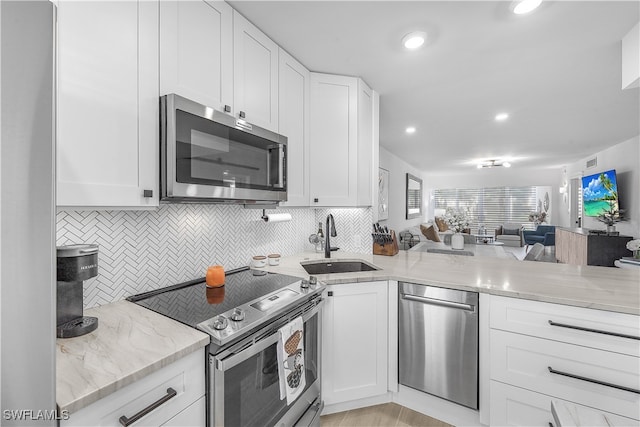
point(226, 363)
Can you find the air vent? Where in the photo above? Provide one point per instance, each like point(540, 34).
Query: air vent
point(592, 162)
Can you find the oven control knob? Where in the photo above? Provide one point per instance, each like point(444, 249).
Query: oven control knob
point(220, 323)
point(237, 315)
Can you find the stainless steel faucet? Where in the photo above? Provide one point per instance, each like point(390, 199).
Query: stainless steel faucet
point(332, 233)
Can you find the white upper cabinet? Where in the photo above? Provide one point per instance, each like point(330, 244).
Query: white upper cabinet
point(107, 104)
point(255, 75)
point(365, 145)
point(341, 138)
point(196, 51)
point(293, 117)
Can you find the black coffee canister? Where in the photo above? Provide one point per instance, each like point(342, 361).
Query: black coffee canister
point(77, 262)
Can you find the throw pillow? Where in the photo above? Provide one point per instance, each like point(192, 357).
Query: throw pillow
point(430, 233)
point(441, 223)
point(511, 231)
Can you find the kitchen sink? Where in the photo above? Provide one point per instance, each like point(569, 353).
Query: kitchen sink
point(337, 266)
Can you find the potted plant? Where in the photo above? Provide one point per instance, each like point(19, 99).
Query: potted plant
point(457, 220)
point(611, 216)
point(537, 217)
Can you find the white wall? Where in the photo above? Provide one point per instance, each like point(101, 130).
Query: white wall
point(398, 170)
point(625, 159)
point(499, 177)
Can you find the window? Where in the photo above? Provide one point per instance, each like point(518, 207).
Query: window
point(490, 207)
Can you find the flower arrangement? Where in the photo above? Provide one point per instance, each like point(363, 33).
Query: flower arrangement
point(537, 217)
point(457, 219)
point(634, 246)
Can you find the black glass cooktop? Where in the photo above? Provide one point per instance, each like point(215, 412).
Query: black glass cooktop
point(193, 302)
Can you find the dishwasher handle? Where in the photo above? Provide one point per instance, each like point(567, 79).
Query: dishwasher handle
point(439, 302)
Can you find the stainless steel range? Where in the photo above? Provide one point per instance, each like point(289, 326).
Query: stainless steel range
point(243, 318)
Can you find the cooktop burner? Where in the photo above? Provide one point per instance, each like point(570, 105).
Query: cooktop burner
point(247, 299)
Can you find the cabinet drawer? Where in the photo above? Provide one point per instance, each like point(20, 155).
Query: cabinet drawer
point(533, 318)
point(526, 361)
point(515, 406)
point(185, 376)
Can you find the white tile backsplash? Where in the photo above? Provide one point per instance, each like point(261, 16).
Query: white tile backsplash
point(145, 250)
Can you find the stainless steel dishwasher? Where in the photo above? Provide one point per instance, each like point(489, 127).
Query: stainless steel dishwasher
point(438, 342)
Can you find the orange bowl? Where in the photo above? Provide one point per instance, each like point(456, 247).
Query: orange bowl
point(215, 276)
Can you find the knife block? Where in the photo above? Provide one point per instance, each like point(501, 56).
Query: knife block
point(388, 249)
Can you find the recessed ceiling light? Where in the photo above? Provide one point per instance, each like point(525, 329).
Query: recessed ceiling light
point(414, 40)
point(526, 6)
point(501, 117)
point(410, 129)
point(506, 164)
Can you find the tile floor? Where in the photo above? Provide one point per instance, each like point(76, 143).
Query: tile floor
point(385, 415)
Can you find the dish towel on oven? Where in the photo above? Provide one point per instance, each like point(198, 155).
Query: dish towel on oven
point(291, 360)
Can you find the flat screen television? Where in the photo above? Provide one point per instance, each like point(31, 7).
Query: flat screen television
point(599, 193)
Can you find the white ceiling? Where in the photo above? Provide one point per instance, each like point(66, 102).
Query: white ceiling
point(556, 72)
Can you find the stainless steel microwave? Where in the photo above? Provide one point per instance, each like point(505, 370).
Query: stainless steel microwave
point(210, 156)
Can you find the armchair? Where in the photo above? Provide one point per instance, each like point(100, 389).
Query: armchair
point(510, 233)
point(545, 234)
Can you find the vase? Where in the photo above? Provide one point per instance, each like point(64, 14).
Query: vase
point(636, 254)
point(611, 228)
point(457, 241)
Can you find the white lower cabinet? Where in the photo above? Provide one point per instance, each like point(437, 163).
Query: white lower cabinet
point(354, 342)
point(550, 351)
point(187, 408)
point(194, 415)
point(515, 406)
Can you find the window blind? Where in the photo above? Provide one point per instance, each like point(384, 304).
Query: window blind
point(490, 207)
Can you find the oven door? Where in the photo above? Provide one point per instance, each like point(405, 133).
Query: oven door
point(244, 387)
point(206, 154)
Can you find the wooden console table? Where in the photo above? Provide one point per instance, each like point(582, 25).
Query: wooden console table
point(576, 246)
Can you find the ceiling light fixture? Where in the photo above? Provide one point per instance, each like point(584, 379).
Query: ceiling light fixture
point(525, 6)
point(501, 117)
point(493, 164)
point(414, 40)
point(410, 129)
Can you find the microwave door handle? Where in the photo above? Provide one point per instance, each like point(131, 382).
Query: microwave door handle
point(280, 166)
point(278, 150)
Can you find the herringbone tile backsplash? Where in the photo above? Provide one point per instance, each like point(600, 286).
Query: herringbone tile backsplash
point(145, 250)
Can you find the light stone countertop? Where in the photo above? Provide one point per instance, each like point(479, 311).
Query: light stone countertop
point(602, 288)
point(130, 343)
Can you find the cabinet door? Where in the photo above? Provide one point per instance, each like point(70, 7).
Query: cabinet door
point(192, 416)
point(514, 406)
point(196, 42)
point(107, 117)
point(365, 145)
point(333, 138)
point(255, 74)
point(294, 124)
point(354, 351)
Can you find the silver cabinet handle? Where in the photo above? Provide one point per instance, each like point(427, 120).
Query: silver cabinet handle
point(597, 331)
point(171, 393)
point(591, 380)
point(441, 303)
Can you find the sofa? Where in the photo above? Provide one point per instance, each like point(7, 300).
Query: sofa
point(435, 231)
point(510, 234)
